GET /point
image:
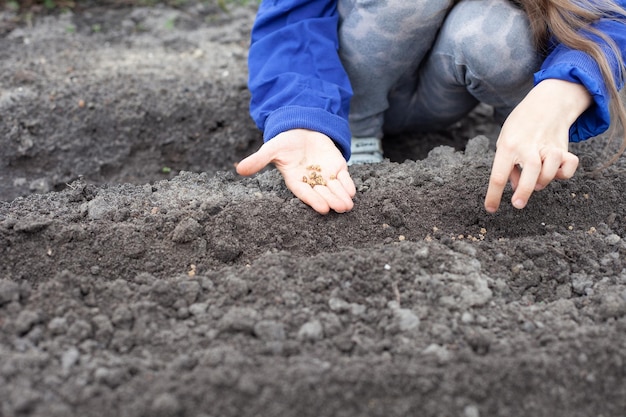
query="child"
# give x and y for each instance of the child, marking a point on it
(330, 78)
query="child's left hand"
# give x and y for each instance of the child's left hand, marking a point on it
(532, 148)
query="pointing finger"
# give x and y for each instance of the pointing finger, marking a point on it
(498, 179)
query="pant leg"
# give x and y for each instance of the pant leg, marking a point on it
(483, 53)
(380, 40)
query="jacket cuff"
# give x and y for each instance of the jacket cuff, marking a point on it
(319, 120)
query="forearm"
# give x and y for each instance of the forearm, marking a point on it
(295, 75)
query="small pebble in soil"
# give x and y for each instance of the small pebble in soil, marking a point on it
(166, 405)
(311, 331)
(9, 291)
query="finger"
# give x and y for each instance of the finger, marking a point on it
(500, 171)
(527, 182)
(550, 166)
(255, 162)
(308, 196)
(568, 166)
(337, 189)
(334, 202)
(514, 176)
(346, 181)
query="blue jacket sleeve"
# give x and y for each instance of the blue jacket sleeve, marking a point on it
(576, 66)
(296, 78)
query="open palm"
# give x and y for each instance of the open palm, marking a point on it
(312, 167)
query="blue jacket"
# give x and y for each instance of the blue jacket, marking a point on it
(297, 80)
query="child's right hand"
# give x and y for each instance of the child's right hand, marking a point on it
(302, 156)
(535, 136)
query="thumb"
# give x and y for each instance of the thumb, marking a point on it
(254, 163)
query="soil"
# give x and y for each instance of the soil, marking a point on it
(140, 276)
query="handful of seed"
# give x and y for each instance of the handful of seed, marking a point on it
(314, 178)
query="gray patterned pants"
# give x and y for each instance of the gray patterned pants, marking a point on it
(419, 65)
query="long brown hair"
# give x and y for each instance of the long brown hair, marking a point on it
(568, 21)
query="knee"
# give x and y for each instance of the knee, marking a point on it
(492, 41)
(391, 18)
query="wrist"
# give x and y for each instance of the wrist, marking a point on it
(562, 99)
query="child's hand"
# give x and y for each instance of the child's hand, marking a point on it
(312, 167)
(532, 147)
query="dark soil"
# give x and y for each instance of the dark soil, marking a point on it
(140, 276)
